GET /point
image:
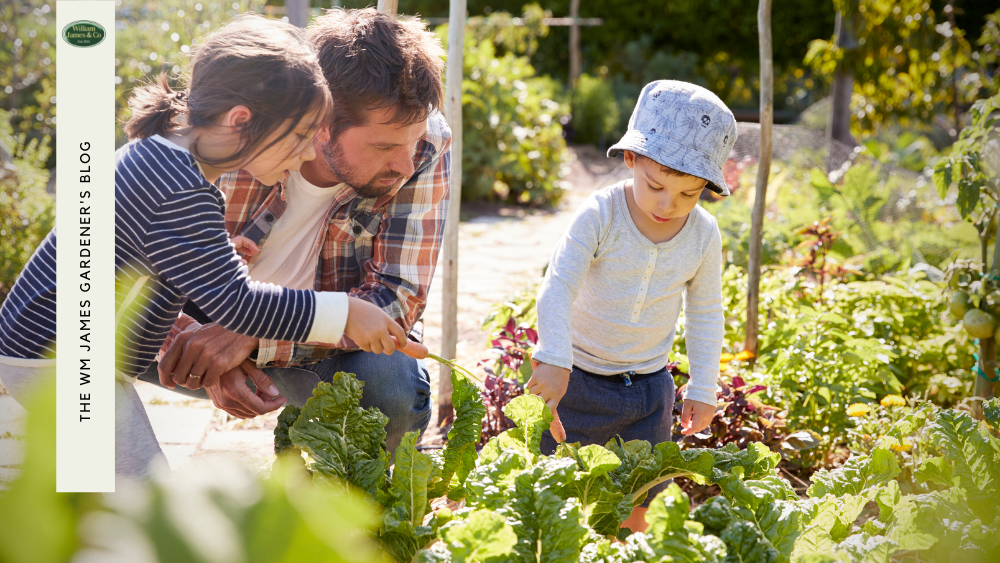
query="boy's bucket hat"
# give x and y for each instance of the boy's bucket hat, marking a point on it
(683, 126)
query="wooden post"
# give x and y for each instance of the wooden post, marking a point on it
(387, 7)
(839, 126)
(574, 43)
(763, 170)
(453, 113)
(297, 12)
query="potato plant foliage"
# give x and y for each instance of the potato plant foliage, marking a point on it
(522, 506)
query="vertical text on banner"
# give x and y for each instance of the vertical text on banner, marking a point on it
(85, 221)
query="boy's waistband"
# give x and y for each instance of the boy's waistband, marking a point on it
(625, 378)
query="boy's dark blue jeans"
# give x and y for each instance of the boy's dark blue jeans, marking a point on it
(597, 408)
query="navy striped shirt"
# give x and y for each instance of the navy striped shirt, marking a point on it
(28, 315)
(169, 225)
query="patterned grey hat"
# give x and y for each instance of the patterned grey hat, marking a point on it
(683, 126)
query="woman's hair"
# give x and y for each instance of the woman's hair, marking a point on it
(265, 65)
(375, 61)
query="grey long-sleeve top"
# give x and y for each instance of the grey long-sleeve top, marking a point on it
(611, 298)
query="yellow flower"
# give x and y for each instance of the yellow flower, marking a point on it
(858, 409)
(744, 356)
(723, 367)
(726, 358)
(893, 401)
(904, 447)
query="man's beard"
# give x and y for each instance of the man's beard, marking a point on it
(372, 188)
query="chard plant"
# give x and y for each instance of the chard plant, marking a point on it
(516, 505)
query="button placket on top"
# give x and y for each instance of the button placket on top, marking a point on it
(640, 298)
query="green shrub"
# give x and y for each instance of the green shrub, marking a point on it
(27, 211)
(513, 149)
(596, 114)
(155, 37)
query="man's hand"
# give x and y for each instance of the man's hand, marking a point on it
(198, 357)
(550, 382)
(231, 393)
(370, 328)
(695, 416)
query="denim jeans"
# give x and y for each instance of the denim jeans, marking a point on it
(397, 385)
(596, 409)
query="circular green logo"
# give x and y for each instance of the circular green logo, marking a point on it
(83, 33)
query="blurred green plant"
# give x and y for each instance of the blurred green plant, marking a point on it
(218, 512)
(596, 115)
(28, 65)
(513, 146)
(909, 60)
(158, 36)
(27, 211)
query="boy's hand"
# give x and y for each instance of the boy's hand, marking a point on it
(550, 382)
(244, 247)
(696, 416)
(371, 329)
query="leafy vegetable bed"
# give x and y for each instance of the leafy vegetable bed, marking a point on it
(522, 506)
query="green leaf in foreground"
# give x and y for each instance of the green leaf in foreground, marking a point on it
(532, 417)
(482, 536)
(403, 532)
(460, 452)
(345, 443)
(548, 527)
(991, 412)
(859, 474)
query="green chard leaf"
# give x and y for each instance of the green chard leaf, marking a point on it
(601, 501)
(489, 486)
(972, 456)
(858, 475)
(483, 536)
(460, 452)
(532, 417)
(282, 443)
(345, 443)
(643, 467)
(745, 543)
(864, 548)
(942, 524)
(714, 515)
(936, 470)
(672, 537)
(548, 524)
(991, 412)
(402, 532)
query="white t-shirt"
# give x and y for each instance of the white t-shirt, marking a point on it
(291, 254)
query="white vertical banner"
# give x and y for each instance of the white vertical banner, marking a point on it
(85, 252)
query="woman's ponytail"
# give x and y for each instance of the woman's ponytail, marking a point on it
(155, 108)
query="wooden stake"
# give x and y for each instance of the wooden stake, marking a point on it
(453, 113)
(574, 43)
(763, 170)
(297, 12)
(388, 7)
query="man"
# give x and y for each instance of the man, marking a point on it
(366, 217)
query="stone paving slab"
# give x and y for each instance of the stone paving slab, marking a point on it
(180, 424)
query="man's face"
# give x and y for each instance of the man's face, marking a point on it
(375, 159)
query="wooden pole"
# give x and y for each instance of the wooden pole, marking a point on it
(453, 113)
(388, 7)
(763, 170)
(574, 43)
(297, 12)
(839, 126)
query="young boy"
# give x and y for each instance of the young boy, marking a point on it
(609, 304)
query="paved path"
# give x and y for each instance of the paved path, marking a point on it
(500, 251)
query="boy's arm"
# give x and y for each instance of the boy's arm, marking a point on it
(570, 261)
(704, 323)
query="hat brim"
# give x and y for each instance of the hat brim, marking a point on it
(675, 154)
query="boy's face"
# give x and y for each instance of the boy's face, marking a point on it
(662, 194)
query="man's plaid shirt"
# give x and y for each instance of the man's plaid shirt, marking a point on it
(382, 250)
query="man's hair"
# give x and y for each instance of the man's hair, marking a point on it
(372, 61)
